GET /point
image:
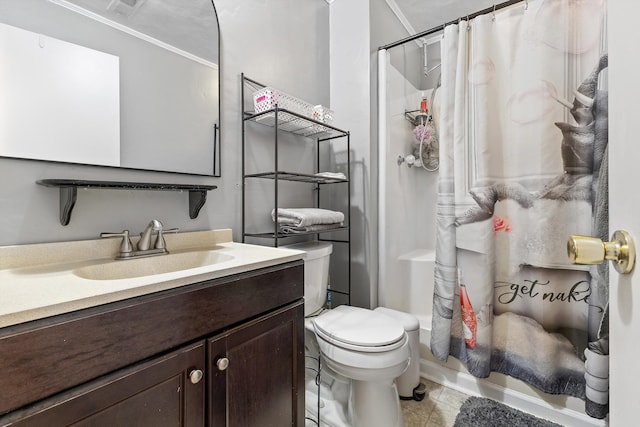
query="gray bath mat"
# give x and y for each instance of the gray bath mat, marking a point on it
(481, 412)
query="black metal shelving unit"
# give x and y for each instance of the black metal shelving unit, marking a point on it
(283, 120)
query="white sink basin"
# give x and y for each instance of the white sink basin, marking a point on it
(149, 266)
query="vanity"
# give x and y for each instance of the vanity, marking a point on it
(211, 334)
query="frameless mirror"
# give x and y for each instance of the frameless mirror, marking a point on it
(125, 83)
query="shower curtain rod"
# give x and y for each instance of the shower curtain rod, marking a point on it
(455, 21)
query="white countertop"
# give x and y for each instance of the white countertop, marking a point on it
(38, 281)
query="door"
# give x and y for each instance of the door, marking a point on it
(256, 372)
(624, 206)
(167, 391)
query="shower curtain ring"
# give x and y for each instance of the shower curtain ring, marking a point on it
(526, 4)
(493, 16)
(468, 23)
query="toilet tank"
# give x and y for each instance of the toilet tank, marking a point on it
(316, 273)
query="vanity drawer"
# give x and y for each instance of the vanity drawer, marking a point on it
(43, 357)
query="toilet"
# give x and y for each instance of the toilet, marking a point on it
(370, 348)
(316, 273)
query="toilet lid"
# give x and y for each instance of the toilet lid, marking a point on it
(359, 329)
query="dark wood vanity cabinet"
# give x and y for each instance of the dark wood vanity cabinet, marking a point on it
(225, 352)
(254, 375)
(156, 393)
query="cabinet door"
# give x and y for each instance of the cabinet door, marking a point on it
(256, 372)
(161, 392)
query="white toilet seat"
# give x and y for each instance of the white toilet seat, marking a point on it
(358, 329)
(370, 349)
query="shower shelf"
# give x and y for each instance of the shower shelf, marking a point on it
(416, 117)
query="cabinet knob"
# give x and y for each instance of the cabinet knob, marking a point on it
(195, 376)
(222, 363)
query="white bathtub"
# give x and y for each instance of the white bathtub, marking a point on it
(409, 284)
(409, 288)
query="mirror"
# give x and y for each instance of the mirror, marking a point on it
(125, 83)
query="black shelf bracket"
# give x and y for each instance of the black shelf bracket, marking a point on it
(68, 197)
(197, 199)
(69, 192)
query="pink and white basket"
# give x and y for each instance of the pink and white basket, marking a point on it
(268, 97)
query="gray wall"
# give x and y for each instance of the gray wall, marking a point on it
(283, 43)
(350, 98)
(408, 58)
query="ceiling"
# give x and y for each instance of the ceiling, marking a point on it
(191, 21)
(189, 25)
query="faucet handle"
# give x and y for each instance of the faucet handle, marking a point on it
(125, 246)
(160, 243)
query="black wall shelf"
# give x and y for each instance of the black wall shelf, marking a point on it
(69, 192)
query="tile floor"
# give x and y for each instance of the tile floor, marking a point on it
(438, 409)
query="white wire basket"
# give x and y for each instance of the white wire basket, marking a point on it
(322, 114)
(268, 97)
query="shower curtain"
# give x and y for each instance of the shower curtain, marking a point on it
(523, 135)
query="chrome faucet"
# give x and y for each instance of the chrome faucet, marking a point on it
(145, 237)
(144, 244)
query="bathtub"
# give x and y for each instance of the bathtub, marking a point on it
(417, 267)
(409, 288)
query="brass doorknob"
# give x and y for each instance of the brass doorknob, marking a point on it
(590, 250)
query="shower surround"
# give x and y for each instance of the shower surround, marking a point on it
(407, 210)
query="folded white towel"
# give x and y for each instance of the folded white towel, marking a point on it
(292, 229)
(335, 175)
(304, 217)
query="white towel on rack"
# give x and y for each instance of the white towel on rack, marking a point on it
(334, 175)
(304, 217)
(292, 229)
